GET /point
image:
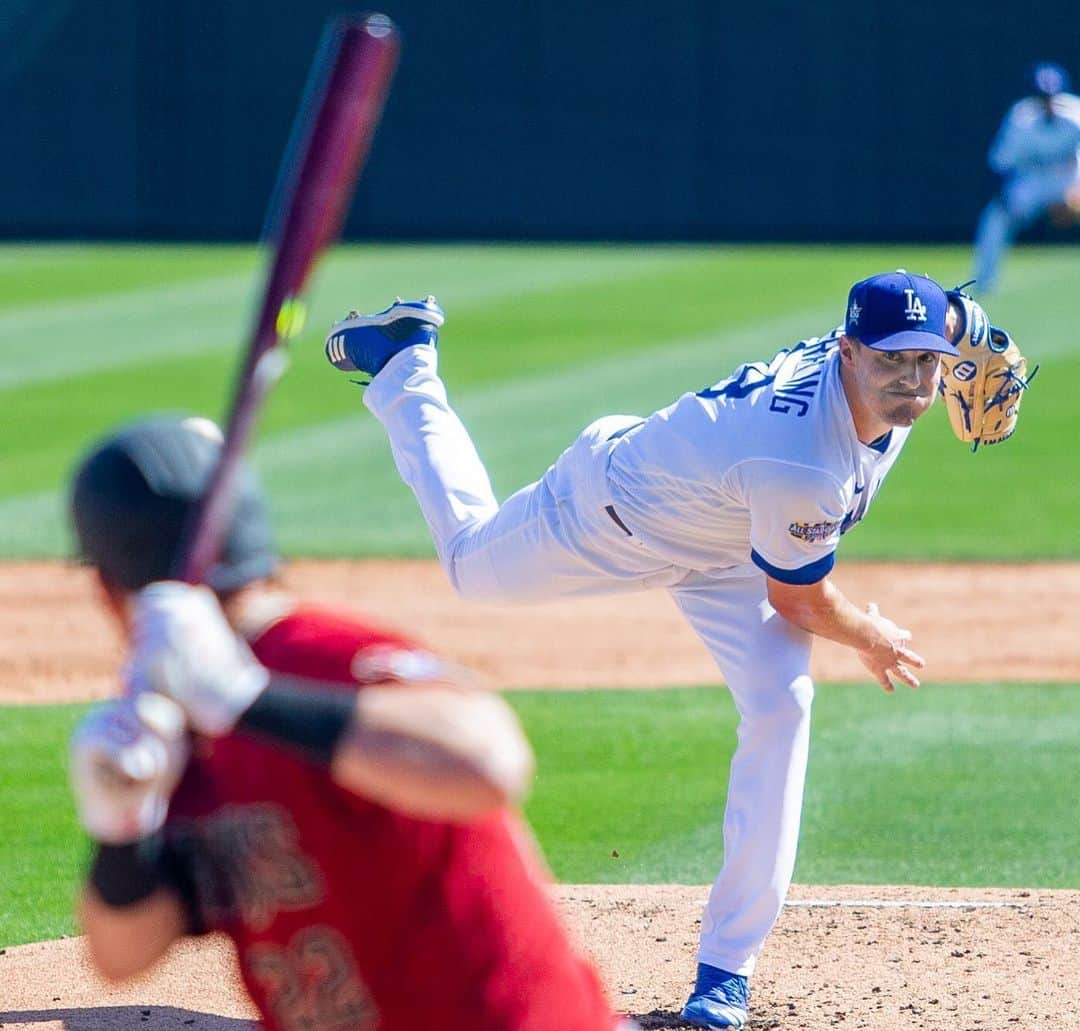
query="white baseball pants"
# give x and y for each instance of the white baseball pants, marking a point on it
(555, 538)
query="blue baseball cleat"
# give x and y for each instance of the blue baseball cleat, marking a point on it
(719, 999)
(365, 343)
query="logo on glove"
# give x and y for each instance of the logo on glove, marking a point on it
(965, 371)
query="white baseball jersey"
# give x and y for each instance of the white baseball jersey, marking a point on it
(1028, 141)
(763, 467)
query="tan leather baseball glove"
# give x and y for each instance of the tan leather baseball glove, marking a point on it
(984, 386)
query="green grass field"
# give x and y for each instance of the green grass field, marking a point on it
(948, 785)
(539, 341)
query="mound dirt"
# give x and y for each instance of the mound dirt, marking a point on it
(875, 958)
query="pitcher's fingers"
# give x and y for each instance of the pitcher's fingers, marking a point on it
(905, 674)
(912, 658)
(872, 609)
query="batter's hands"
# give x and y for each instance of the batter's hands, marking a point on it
(890, 658)
(185, 649)
(126, 758)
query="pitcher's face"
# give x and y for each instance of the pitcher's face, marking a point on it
(893, 387)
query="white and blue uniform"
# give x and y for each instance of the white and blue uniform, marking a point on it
(1039, 158)
(759, 474)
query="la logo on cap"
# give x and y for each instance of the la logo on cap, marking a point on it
(915, 310)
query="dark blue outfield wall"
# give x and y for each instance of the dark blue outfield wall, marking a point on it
(686, 120)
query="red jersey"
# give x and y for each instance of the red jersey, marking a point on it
(349, 915)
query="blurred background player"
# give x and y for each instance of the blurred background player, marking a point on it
(338, 807)
(1037, 154)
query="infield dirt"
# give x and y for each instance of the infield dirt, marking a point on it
(858, 957)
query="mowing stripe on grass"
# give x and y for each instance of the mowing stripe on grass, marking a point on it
(43, 273)
(61, 339)
(368, 278)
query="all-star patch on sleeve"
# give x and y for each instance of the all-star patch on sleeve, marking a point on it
(811, 532)
(796, 513)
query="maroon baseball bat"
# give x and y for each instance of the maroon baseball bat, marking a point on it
(343, 100)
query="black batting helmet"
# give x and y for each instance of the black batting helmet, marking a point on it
(131, 496)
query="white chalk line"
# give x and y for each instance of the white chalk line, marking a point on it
(901, 904)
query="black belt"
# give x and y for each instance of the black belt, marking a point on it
(610, 509)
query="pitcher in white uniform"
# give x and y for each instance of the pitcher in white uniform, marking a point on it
(733, 499)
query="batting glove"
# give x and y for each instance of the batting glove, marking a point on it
(126, 759)
(185, 649)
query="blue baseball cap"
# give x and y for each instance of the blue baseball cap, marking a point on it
(1048, 78)
(897, 311)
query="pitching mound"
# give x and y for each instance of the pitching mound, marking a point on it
(857, 957)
